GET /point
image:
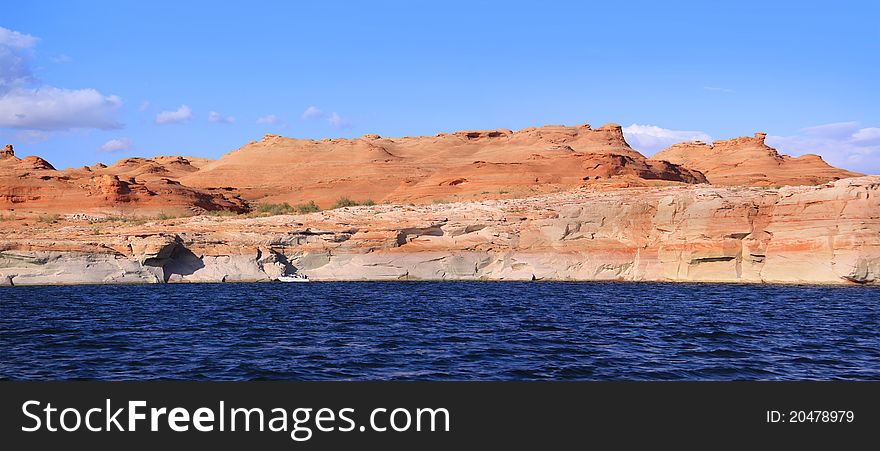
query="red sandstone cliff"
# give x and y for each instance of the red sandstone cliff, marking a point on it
(749, 162)
(465, 165)
(133, 186)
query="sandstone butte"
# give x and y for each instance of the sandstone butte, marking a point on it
(749, 161)
(548, 203)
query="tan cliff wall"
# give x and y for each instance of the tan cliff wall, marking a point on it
(817, 234)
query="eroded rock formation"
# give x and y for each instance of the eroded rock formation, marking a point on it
(547, 203)
(750, 162)
(818, 234)
(133, 186)
(448, 167)
(465, 165)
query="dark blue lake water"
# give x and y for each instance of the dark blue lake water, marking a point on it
(449, 330)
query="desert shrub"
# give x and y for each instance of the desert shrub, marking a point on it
(275, 209)
(308, 207)
(346, 202)
(163, 217)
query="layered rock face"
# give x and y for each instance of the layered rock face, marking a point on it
(139, 186)
(819, 234)
(465, 165)
(748, 161)
(547, 203)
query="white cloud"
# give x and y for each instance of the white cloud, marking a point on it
(649, 139)
(312, 112)
(869, 135)
(337, 121)
(270, 119)
(145, 105)
(15, 69)
(842, 144)
(181, 114)
(218, 118)
(333, 119)
(16, 40)
(833, 130)
(49, 108)
(25, 104)
(115, 145)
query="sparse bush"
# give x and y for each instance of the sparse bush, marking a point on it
(275, 209)
(308, 207)
(346, 202)
(163, 217)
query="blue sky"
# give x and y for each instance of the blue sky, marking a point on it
(82, 82)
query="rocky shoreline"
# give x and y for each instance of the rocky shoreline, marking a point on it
(827, 234)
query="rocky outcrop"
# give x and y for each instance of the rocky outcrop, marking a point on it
(547, 203)
(467, 165)
(131, 187)
(749, 161)
(446, 167)
(805, 234)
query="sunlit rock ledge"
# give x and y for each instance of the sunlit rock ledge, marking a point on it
(826, 234)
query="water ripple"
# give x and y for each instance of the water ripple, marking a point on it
(441, 331)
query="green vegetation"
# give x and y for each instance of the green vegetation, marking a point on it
(346, 202)
(163, 216)
(275, 209)
(309, 207)
(285, 208)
